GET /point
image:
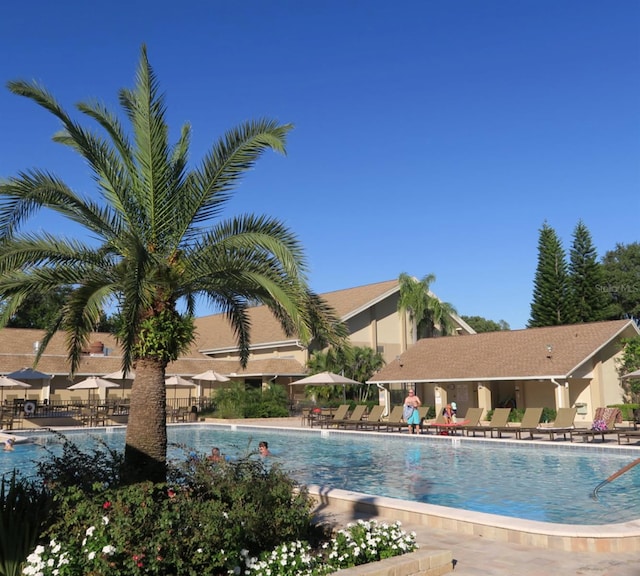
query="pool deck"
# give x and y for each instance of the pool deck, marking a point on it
(466, 543)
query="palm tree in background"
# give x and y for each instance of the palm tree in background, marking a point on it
(428, 314)
(157, 244)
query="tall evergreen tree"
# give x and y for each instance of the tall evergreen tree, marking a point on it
(586, 278)
(621, 268)
(551, 298)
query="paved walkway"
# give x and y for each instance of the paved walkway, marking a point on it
(475, 556)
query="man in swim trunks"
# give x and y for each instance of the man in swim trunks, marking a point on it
(410, 412)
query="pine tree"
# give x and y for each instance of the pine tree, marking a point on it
(586, 278)
(551, 297)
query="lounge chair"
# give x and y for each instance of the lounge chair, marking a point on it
(471, 419)
(435, 424)
(422, 413)
(356, 415)
(606, 417)
(393, 422)
(530, 422)
(628, 435)
(372, 419)
(563, 424)
(498, 423)
(322, 419)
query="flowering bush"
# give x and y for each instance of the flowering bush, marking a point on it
(207, 521)
(599, 425)
(359, 543)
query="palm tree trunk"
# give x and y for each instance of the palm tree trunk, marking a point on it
(145, 455)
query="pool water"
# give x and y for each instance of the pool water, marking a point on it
(550, 484)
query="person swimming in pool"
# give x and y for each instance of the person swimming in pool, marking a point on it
(9, 444)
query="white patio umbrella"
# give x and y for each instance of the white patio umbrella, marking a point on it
(6, 382)
(327, 379)
(211, 376)
(176, 381)
(93, 383)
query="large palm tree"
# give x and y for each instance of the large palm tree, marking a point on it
(428, 314)
(156, 244)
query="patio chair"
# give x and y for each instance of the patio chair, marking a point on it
(371, 419)
(530, 422)
(563, 424)
(604, 423)
(470, 420)
(422, 413)
(354, 418)
(322, 418)
(498, 423)
(434, 424)
(393, 421)
(6, 419)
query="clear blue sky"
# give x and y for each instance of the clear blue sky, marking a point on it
(431, 137)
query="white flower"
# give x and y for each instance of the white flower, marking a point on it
(108, 549)
(91, 555)
(105, 520)
(90, 530)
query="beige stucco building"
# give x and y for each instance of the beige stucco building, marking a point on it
(555, 367)
(370, 313)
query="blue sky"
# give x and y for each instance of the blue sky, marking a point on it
(430, 137)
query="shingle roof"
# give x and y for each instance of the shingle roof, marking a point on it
(506, 355)
(215, 333)
(16, 352)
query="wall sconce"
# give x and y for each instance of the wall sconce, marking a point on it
(517, 388)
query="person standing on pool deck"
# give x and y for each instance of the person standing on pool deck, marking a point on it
(410, 412)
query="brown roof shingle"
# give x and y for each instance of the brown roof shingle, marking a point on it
(214, 332)
(506, 355)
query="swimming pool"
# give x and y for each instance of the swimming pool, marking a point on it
(521, 480)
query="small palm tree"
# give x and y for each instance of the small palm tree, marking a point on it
(156, 246)
(428, 314)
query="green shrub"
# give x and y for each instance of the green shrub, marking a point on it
(74, 467)
(23, 510)
(626, 409)
(197, 523)
(548, 415)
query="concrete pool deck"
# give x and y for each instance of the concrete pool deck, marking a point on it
(504, 547)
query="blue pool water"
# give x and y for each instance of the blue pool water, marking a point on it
(550, 484)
